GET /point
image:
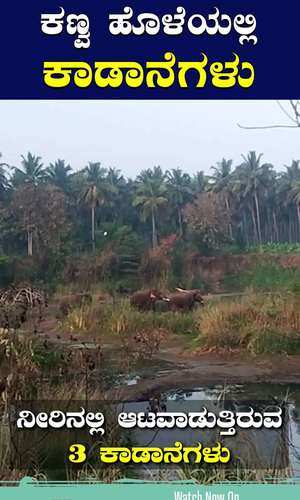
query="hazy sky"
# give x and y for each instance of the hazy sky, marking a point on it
(133, 135)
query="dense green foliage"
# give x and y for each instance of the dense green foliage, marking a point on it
(52, 216)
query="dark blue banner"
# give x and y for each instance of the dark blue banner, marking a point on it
(76, 49)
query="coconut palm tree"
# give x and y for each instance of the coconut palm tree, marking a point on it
(3, 179)
(199, 182)
(4, 183)
(222, 172)
(59, 174)
(151, 196)
(95, 174)
(114, 187)
(251, 178)
(287, 191)
(114, 177)
(180, 191)
(32, 171)
(93, 194)
(221, 181)
(3, 163)
(293, 171)
(294, 195)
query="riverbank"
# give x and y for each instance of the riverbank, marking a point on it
(233, 339)
(183, 369)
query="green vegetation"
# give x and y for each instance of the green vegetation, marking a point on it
(259, 324)
(58, 225)
(275, 248)
(265, 277)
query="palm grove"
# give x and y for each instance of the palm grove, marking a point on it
(51, 215)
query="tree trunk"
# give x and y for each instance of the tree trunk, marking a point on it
(245, 229)
(29, 243)
(290, 227)
(93, 228)
(180, 222)
(298, 212)
(276, 231)
(229, 225)
(257, 217)
(254, 224)
(154, 234)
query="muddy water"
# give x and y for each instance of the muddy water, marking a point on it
(255, 392)
(151, 379)
(178, 383)
(182, 400)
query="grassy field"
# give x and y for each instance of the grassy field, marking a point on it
(121, 319)
(258, 324)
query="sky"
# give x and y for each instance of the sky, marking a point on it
(134, 135)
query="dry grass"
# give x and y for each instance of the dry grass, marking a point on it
(108, 319)
(258, 324)
(235, 475)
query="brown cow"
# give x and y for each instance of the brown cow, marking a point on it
(145, 300)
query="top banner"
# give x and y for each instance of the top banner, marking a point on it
(76, 49)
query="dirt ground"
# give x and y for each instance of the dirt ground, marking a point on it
(189, 368)
(208, 369)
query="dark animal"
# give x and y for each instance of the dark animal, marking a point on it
(195, 293)
(184, 300)
(145, 300)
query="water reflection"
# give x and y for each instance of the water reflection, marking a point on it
(254, 392)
